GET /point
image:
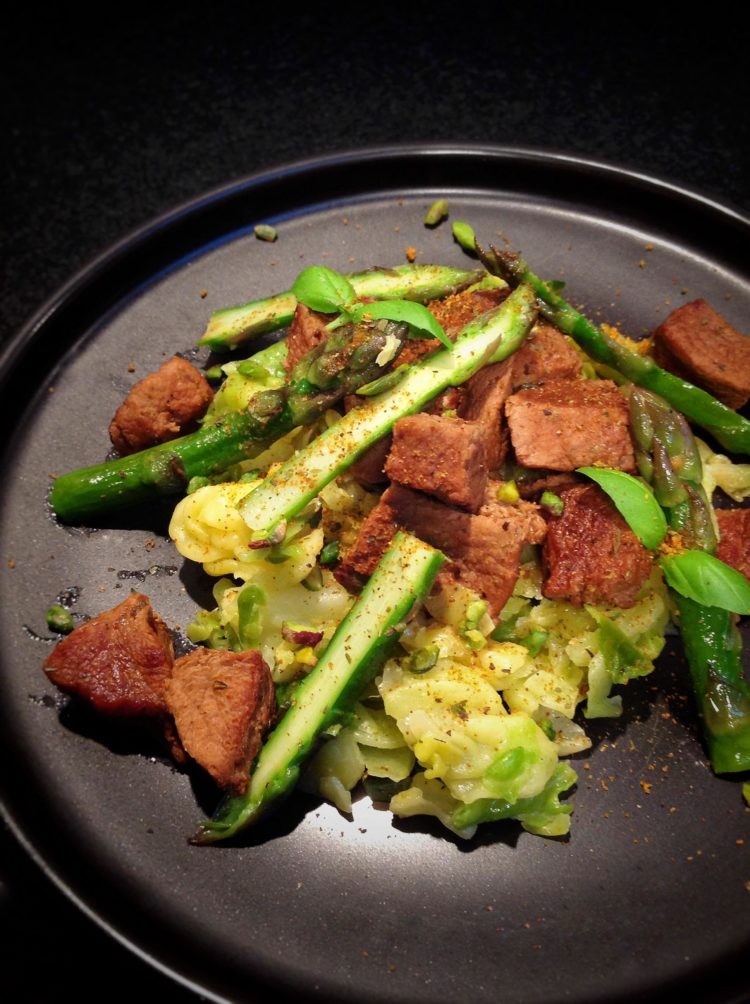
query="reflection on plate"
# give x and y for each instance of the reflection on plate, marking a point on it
(650, 890)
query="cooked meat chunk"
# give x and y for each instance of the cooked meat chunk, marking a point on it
(369, 470)
(306, 332)
(164, 405)
(119, 661)
(484, 548)
(223, 704)
(590, 553)
(375, 534)
(697, 344)
(484, 397)
(734, 540)
(453, 313)
(444, 457)
(546, 354)
(564, 424)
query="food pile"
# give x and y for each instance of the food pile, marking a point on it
(438, 532)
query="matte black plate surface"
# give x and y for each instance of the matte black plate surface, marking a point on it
(650, 892)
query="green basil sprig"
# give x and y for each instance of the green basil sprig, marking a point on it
(323, 289)
(327, 291)
(708, 581)
(635, 502)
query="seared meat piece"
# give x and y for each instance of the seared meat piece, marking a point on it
(223, 704)
(453, 313)
(162, 406)
(564, 424)
(590, 553)
(119, 661)
(306, 332)
(734, 540)
(484, 397)
(444, 457)
(484, 548)
(696, 343)
(369, 470)
(546, 354)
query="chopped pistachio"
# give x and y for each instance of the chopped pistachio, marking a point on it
(552, 502)
(507, 492)
(265, 232)
(59, 619)
(437, 212)
(464, 234)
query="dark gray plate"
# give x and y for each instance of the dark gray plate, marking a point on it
(649, 896)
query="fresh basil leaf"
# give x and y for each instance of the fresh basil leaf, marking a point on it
(321, 288)
(635, 502)
(421, 322)
(708, 581)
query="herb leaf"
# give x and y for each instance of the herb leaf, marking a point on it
(321, 288)
(421, 322)
(708, 581)
(635, 502)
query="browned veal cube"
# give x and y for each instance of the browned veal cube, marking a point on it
(564, 424)
(734, 540)
(590, 554)
(696, 343)
(484, 549)
(444, 457)
(546, 354)
(223, 704)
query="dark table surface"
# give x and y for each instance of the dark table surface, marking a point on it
(115, 118)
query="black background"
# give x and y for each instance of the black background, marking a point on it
(112, 118)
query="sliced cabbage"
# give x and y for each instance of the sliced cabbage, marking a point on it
(720, 472)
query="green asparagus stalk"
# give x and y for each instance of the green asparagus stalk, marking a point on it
(489, 338)
(344, 362)
(231, 326)
(669, 459)
(725, 425)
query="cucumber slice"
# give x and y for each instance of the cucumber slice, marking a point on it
(359, 647)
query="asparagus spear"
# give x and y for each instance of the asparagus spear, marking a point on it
(668, 457)
(725, 425)
(345, 361)
(229, 327)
